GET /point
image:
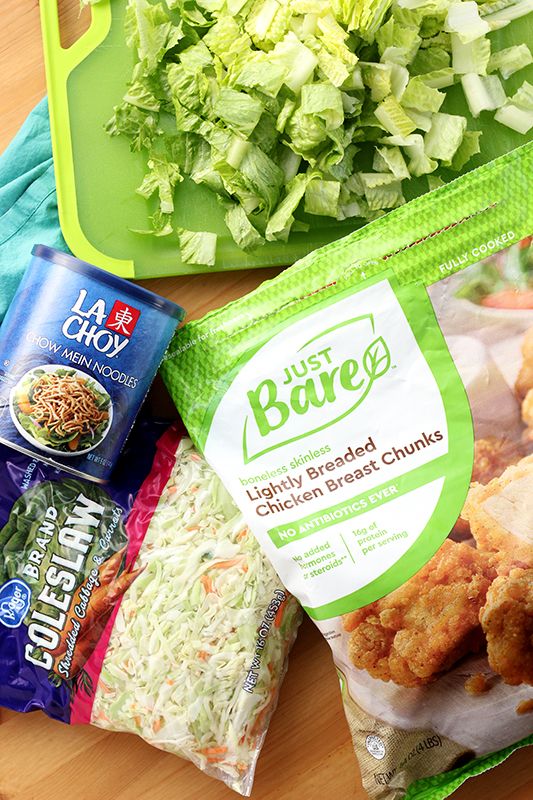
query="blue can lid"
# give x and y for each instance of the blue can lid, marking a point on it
(131, 289)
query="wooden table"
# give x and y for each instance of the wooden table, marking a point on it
(308, 753)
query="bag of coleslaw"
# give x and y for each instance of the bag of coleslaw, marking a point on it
(371, 412)
(145, 606)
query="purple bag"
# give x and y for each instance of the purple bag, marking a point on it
(65, 558)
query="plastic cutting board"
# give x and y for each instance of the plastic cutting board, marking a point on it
(97, 175)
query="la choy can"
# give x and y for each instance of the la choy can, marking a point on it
(79, 349)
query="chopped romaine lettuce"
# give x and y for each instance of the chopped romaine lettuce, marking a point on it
(510, 60)
(471, 57)
(465, 21)
(469, 147)
(391, 159)
(482, 92)
(517, 113)
(445, 135)
(393, 118)
(421, 97)
(273, 101)
(435, 182)
(281, 220)
(242, 230)
(198, 247)
(322, 197)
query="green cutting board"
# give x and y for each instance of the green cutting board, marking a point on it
(97, 175)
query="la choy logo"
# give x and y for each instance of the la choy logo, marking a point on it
(91, 324)
(331, 375)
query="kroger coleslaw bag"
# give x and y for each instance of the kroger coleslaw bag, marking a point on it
(371, 412)
(145, 606)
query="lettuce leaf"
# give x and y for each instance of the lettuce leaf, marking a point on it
(197, 247)
(465, 21)
(517, 112)
(393, 118)
(471, 57)
(162, 177)
(483, 92)
(329, 105)
(391, 158)
(238, 110)
(243, 232)
(469, 147)
(510, 60)
(422, 97)
(322, 197)
(445, 135)
(281, 220)
(323, 101)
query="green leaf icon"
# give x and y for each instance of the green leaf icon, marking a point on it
(376, 359)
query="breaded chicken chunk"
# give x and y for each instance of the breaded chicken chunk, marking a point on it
(500, 516)
(524, 381)
(527, 409)
(492, 456)
(527, 418)
(507, 621)
(422, 628)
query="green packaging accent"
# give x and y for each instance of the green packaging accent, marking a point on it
(266, 384)
(429, 238)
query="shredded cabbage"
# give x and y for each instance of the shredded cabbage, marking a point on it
(186, 633)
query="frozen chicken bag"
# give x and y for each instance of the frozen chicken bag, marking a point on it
(371, 412)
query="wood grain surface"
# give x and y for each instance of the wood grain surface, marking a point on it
(307, 754)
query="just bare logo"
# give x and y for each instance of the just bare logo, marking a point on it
(317, 387)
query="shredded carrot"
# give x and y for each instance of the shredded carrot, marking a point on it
(73, 444)
(207, 583)
(193, 528)
(214, 754)
(137, 720)
(158, 723)
(242, 534)
(232, 562)
(24, 404)
(278, 619)
(170, 682)
(172, 489)
(259, 724)
(203, 655)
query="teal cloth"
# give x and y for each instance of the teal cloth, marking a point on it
(28, 202)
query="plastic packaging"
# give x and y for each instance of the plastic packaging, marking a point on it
(371, 412)
(147, 609)
(65, 559)
(199, 647)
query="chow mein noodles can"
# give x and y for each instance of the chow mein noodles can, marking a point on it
(79, 349)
